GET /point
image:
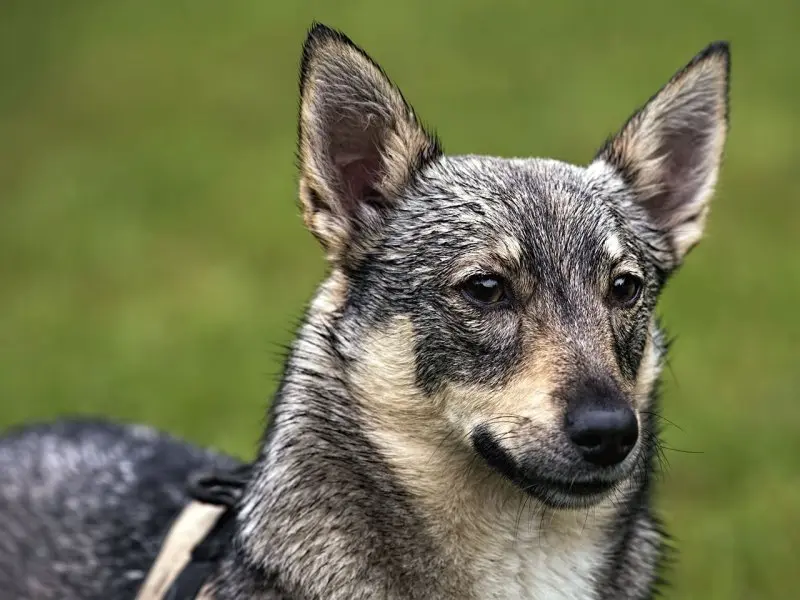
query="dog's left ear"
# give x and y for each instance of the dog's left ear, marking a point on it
(360, 143)
(670, 150)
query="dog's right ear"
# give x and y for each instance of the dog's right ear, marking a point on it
(360, 142)
(670, 150)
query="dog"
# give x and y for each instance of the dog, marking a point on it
(469, 407)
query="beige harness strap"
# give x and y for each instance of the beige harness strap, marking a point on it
(205, 593)
(189, 529)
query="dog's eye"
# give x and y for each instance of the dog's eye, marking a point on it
(485, 289)
(626, 289)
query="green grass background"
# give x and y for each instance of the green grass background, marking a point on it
(152, 259)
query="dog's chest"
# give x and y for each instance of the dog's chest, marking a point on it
(540, 567)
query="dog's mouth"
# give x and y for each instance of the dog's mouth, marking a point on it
(569, 494)
(578, 491)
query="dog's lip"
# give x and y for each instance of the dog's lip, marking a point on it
(581, 488)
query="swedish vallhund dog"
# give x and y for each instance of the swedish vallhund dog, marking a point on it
(468, 410)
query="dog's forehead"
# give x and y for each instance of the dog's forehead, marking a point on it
(540, 203)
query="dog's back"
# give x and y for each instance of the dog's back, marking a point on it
(84, 506)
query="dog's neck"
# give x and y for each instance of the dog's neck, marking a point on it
(349, 502)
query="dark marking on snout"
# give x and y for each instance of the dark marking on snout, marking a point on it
(495, 456)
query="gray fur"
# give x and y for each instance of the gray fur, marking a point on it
(84, 506)
(392, 355)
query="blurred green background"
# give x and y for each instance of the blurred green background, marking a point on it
(152, 260)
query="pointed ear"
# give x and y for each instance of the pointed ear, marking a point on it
(670, 151)
(360, 142)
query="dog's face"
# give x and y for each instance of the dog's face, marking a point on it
(526, 288)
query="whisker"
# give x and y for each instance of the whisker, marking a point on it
(658, 415)
(665, 447)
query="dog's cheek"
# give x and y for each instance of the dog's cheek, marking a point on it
(466, 349)
(630, 333)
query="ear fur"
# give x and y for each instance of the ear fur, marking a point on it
(359, 142)
(670, 151)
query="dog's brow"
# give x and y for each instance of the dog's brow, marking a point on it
(622, 259)
(613, 247)
(509, 250)
(502, 257)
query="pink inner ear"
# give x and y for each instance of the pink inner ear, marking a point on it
(685, 168)
(359, 172)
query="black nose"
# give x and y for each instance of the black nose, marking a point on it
(604, 436)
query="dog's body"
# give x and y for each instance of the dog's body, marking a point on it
(84, 506)
(468, 410)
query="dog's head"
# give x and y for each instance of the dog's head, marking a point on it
(518, 293)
